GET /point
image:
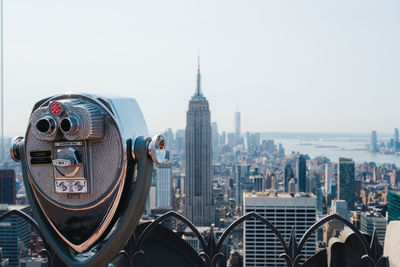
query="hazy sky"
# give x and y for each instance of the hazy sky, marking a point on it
(301, 66)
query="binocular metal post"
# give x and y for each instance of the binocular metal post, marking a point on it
(87, 169)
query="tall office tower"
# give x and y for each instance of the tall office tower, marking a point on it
(253, 140)
(231, 139)
(394, 178)
(214, 135)
(393, 205)
(258, 182)
(374, 221)
(241, 175)
(329, 180)
(7, 186)
(374, 142)
(237, 127)
(288, 175)
(169, 139)
(179, 140)
(199, 206)
(396, 137)
(222, 140)
(345, 187)
(268, 180)
(268, 145)
(164, 186)
(376, 176)
(14, 234)
(340, 207)
(314, 186)
(284, 211)
(292, 186)
(281, 150)
(301, 173)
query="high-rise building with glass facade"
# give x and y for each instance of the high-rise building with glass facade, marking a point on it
(288, 175)
(345, 187)
(393, 204)
(374, 142)
(371, 222)
(15, 234)
(7, 186)
(301, 174)
(199, 206)
(164, 186)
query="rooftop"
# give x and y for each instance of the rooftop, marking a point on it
(279, 195)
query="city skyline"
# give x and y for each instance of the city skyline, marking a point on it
(287, 66)
(198, 202)
(294, 124)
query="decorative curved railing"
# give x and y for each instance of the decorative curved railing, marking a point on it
(211, 250)
(47, 251)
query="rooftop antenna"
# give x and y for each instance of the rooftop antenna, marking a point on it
(198, 89)
(198, 59)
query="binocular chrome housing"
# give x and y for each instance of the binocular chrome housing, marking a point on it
(84, 158)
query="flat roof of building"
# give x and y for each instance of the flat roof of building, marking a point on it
(279, 195)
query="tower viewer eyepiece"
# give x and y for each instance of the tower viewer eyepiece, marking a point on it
(76, 158)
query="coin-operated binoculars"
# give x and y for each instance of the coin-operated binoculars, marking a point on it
(87, 169)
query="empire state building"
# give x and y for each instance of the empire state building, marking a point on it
(199, 206)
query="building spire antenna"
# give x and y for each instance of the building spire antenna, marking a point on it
(198, 88)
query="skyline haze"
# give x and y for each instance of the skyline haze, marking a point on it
(291, 67)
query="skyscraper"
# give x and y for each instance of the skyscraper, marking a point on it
(237, 126)
(199, 206)
(215, 136)
(371, 222)
(374, 142)
(329, 180)
(396, 144)
(393, 205)
(288, 175)
(301, 173)
(285, 211)
(15, 234)
(258, 181)
(340, 207)
(345, 188)
(7, 186)
(164, 186)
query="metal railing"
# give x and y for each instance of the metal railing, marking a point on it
(211, 249)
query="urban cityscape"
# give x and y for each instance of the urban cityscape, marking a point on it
(213, 178)
(276, 124)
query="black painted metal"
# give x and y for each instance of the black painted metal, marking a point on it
(211, 250)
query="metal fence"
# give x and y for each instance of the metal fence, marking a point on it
(211, 250)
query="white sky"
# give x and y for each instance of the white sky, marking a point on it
(301, 66)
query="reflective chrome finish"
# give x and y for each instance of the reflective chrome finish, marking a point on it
(67, 162)
(14, 148)
(46, 125)
(76, 168)
(157, 149)
(69, 125)
(81, 166)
